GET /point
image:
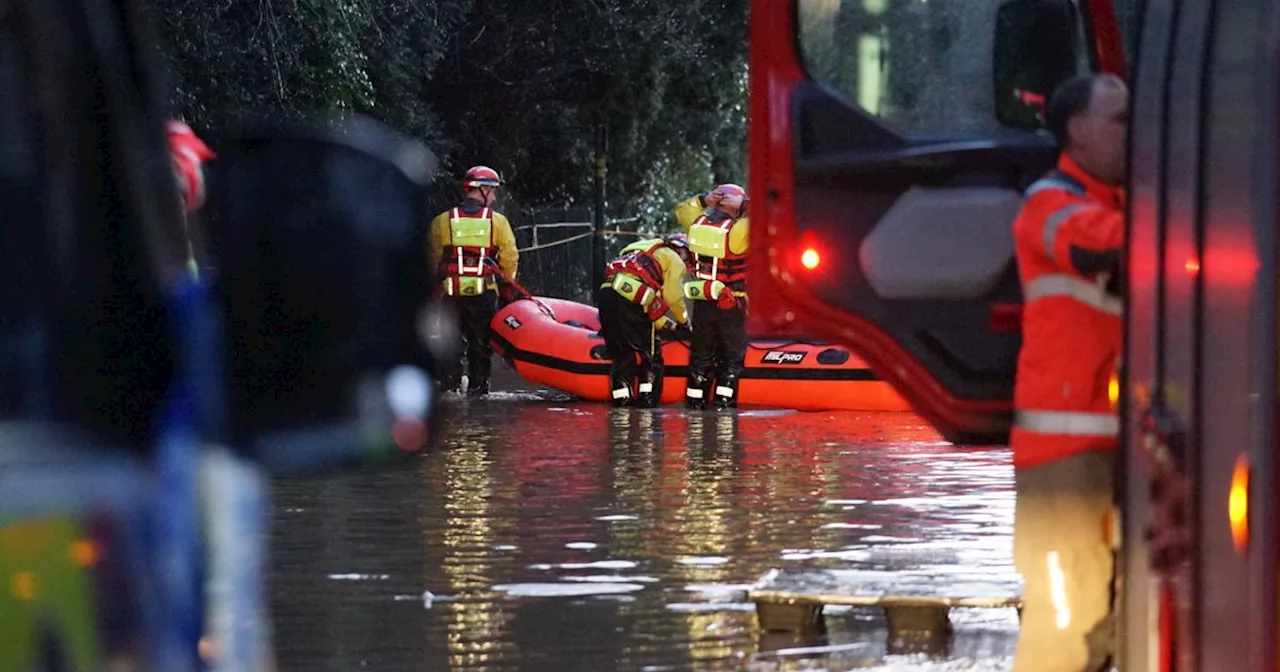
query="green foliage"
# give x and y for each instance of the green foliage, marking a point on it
(513, 84)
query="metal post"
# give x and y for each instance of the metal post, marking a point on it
(599, 255)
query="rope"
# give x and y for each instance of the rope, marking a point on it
(527, 294)
(568, 225)
(580, 236)
(555, 225)
(570, 239)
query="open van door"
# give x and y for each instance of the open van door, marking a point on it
(889, 147)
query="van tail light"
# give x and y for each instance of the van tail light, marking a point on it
(1238, 504)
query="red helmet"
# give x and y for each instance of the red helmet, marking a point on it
(734, 190)
(188, 153)
(726, 189)
(481, 176)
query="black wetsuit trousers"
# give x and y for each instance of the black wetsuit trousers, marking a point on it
(474, 315)
(635, 373)
(716, 355)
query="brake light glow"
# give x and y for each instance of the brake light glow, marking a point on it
(1113, 389)
(810, 259)
(1238, 504)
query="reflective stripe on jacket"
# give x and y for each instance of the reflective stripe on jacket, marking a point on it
(469, 262)
(1068, 238)
(712, 274)
(499, 243)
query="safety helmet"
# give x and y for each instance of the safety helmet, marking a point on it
(680, 243)
(733, 189)
(481, 176)
(726, 189)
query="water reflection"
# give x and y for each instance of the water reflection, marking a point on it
(574, 536)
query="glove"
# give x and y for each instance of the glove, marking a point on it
(680, 333)
(726, 300)
(506, 293)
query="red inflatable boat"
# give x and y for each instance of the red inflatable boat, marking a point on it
(567, 353)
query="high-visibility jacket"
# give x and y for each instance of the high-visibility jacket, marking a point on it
(651, 275)
(1068, 238)
(468, 245)
(720, 252)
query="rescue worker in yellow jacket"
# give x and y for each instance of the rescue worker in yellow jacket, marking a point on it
(641, 300)
(718, 234)
(474, 249)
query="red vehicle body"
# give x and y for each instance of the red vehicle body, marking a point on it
(899, 176)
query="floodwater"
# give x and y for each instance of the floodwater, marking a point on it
(548, 535)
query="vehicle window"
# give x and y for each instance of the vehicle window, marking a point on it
(931, 66)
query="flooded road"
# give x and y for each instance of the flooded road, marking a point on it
(543, 534)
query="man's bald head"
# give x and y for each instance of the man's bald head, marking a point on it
(1089, 116)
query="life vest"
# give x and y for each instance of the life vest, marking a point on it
(637, 276)
(1071, 325)
(469, 261)
(716, 268)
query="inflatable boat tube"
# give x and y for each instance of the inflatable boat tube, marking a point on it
(566, 353)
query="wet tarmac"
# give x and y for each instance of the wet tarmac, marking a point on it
(548, 535)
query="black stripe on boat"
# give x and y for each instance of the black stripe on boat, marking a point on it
(601, 368)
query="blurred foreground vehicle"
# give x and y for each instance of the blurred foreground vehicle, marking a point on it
(141, 409)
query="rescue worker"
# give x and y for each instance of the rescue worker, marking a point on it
(718, 232)
(642, 298)
(188, 153)
(474, 249)
(1068, 239)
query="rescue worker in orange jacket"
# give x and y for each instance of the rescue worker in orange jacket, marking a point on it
(642, 299)
(1068, 239)
(717, 226)
(474, 249)
(188, 153)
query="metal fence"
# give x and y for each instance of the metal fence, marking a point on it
(555, 254)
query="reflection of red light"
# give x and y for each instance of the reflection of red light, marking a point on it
(409, 434)
(810, 258)
(1193, 266)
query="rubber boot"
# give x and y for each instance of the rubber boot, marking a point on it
(451, 374)
(620, 397)
(726, 393)
(695, 394)
(478, 384)
(478, 377)
(649, 391)
(480, 390)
